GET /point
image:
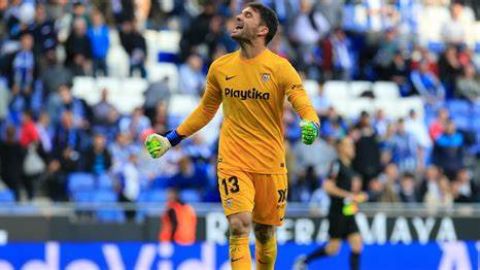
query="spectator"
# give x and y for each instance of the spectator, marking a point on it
(465, 190)
(130, 184)
(319, 155)
(28, 130)
(197, 30)
(448, 152)
(135, 124)
(367, 152)
(450, 69)
(438, 125)
(135, 46)
(307, 29)
(120, 150)
(342, 57)
(45, 132)
(407, 191)
(179, 222)
(381, 122)
(65, 101)
(193, 79)
(98, 159)
(44, 32)
(321, 102)
(416, 127)
(24, 68)
(11, 160)
(388, 47)
(79, 49)
(157, 91)
(189, 176)
(404, 149)
(454, 30)
(391, 182)
(67, 138)
(54, 74)
(434, 189)
(306, 184)
(375, 190)
(399, 72)
(428, 85)
(468, 86)
(102, 110)
(34, 164)
(332, 124)
(100, 43)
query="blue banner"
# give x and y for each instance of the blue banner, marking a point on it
(208, 256)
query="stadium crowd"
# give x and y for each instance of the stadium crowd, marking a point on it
(47, 133)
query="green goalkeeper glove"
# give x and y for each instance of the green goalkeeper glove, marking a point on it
(309, 131)
(157, 145)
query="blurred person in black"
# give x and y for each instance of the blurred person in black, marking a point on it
(79, 49)
(367, 150)
(345, 195)
(98, 159)
(448, 151)
(11, 161)
(408, 191)
(136, 47)
(464, 189)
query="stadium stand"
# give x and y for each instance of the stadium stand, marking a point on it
(372, 76)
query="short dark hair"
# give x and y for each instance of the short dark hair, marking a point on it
(268, 17)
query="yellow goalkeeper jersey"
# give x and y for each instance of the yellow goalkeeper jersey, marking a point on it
(252, 93)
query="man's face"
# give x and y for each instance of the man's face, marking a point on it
(248, 26)
(347, 148)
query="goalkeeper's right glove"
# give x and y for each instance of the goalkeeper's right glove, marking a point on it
(157, 145)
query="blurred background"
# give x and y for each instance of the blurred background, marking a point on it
(82, 83)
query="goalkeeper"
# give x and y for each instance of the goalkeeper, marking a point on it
(251, 84)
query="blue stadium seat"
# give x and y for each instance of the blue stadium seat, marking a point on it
(105, 196)
(190, 196)
(7, 196)
(82, 196)
(436, 47)
(462, 121)
(115, 214)
(104, 182)
(80, 182)
(157, 196)
(458, 106)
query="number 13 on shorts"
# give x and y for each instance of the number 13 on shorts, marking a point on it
(264, 195)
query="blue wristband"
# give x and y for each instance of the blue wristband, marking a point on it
(174, 138)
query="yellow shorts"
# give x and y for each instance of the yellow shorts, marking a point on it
(263, 195)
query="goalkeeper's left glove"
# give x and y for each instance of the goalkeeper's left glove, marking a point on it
(157, 145)
(310, 131)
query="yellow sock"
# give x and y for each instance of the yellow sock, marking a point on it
(240, 258)
(266, 254)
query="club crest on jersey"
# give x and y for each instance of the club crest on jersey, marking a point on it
(229, 203)
(265, 77)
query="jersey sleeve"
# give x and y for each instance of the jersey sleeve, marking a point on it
(296, 94)
(205, 111)
(333, 171)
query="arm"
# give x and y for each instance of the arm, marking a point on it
(203, 114)
(158, 145)
(296, 94)
(333, 190)
(174, 223)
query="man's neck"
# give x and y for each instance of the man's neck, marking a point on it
(346, 161)
(252, 49)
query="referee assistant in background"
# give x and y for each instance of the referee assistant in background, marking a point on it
(342, 209)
